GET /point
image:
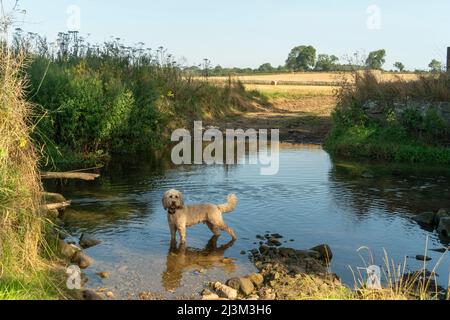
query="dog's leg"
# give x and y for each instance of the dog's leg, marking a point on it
(182, 231)
(173, 233)
(228, 230)
(213, 229)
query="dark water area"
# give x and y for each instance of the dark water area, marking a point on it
(312, 200)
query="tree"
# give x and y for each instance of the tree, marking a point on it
(399, 66)
(326, 62)
(376, 59)
(435, 66)
(301, 58)
(266, 67)
(218, 70)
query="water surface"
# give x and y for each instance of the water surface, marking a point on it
(313, 200)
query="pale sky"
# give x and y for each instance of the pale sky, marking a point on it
(248, 33)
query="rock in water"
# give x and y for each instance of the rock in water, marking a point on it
(426, 218)
(88, 241)
(423, 258)
(263, 249)
(82, 260)
(444, 226)
(440, 250)
(442, 213)
(325, 252)
(277, 236)
(273, 242)
(103, 275)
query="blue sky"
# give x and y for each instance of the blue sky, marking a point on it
(251, 32)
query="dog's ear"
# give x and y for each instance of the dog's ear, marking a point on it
(165, 200)
(181, 205)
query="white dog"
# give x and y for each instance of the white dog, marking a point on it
(180, 216)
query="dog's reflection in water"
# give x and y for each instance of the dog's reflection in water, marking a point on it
(180, 259)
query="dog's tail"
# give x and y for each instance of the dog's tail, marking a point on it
(230, 205)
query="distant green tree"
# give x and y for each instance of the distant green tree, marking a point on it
(399, 66)
(266, 67)
(376, 59)
(301, 58)
(435, 66)
(218, 69)
(326, 62)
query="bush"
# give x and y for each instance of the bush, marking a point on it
(113, 99)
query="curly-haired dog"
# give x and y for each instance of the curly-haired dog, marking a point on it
(181, 216)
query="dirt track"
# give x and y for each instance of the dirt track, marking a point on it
(302, 120)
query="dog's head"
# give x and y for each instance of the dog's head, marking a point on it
(173, 200)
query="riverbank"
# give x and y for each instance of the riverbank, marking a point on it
(400, 121)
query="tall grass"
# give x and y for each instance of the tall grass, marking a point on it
(397, 281)
(22, 240)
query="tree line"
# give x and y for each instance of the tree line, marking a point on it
(305, 58)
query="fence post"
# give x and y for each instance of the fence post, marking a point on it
(448, 59)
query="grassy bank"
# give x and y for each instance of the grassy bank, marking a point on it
(387, 121)
(97, 100)
(25, 254)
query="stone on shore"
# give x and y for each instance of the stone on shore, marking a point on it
(91, 295)
(67, 250)
(243, 285)
(225, 291)
(257, 279)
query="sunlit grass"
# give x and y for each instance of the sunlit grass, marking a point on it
(24, 270)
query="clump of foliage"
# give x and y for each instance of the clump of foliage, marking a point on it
(399, 130)
(301, 58)
(111, 98)
(376, 59)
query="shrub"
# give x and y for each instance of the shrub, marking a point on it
(100, 99)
